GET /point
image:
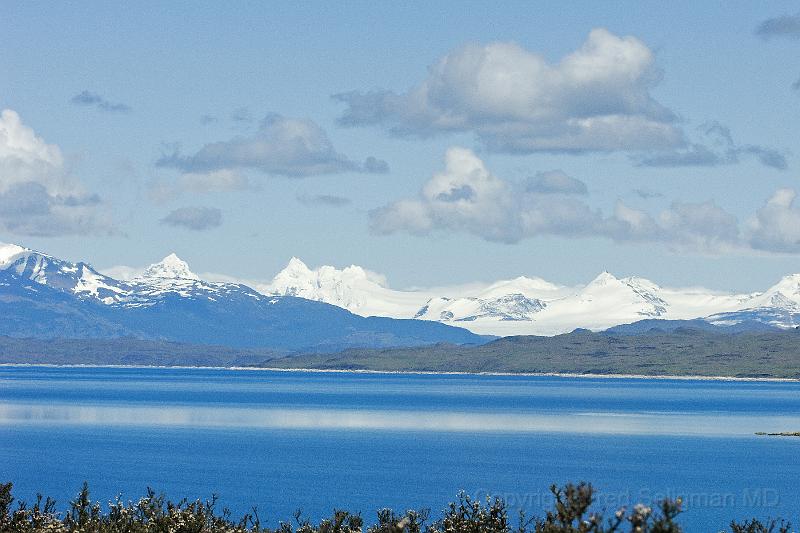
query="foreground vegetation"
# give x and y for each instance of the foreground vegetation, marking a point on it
(572, 513)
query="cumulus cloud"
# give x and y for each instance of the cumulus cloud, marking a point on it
(783, 26)
(717, 148)
(37, 196)
(328, 200)
(700, 226)
(466, 197)
(596, 98)
(776, 226)
(194, 218)
(90, 99)
(555, 182)
(282, 146)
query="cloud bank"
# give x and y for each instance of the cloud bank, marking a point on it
(596, 98)
(465, 197)
(37, 195)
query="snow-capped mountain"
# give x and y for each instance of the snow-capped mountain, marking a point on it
(519, 299)
(506, 307)
(171, 267)
(79, 279)
(168, 300)
(170, 276)
(533, 306)
(777, 306)
(353, 288)
(43, 296)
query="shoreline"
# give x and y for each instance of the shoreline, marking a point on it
(663, 377)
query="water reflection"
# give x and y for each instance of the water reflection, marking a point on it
(642, 423)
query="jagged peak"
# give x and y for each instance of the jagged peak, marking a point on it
(172, 267)
(604, 278)
(296, 270)
(296, 264)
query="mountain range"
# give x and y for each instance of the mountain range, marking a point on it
(45, 297)
(328, 309)
(533, 306)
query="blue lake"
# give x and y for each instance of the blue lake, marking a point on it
(287, 440)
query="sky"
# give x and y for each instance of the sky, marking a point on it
(434, 143)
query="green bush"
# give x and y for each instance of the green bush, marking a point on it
(571, 513)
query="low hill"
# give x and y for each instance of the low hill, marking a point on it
(682, 352)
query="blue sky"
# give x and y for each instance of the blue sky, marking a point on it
(552, 141)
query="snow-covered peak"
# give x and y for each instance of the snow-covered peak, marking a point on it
(296, 279)
(296, 267)
(784, 294)
(354, 288)
(10, 253)
(79, 279)
(171, 267)
(604, 278)
(788, 285)
(536, 288)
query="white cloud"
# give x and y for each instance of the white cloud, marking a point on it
(595, 99)
(776, 226)
(37, 196)
(701, 226)
(24, 157)
(466, 197)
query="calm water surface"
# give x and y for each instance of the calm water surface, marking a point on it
(283, 441)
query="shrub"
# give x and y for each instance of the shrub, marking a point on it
(572, 513)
